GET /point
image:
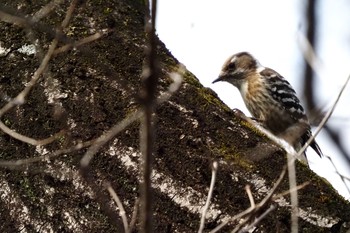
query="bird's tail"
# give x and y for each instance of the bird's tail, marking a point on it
(313, 144)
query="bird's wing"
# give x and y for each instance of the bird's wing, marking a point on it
(281, 91)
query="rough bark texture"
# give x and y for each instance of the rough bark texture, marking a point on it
(97, 86)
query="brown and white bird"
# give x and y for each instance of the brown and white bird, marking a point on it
(269, 98)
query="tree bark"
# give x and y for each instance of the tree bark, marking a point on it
(86, 91)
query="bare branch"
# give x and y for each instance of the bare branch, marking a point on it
(210, 193)
(312, 59)
(22, 162)
(17, 20)
(103, 139)
(45, 10)
(20, 98)
(270, 209)
(308, 71)
(263, 204)
(150, 76)
(342, 177)
(28, 140)
(309, 55)
(250, 196)
(106, 137)
(291, 160)
(120, 206)
(325, 118)
(69, 13)
(250, 212)
(293, 193)
(94, 143)
(335, 136)
(301, 186)
(261, 217)
(134, 215)
(81, 42)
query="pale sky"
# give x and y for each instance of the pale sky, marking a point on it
(201, 34)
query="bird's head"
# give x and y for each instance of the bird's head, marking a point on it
(237, 67)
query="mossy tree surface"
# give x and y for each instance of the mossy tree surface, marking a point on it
(96, 86)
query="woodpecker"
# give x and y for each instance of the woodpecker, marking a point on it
(269, 98)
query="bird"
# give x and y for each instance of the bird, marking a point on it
(270, 99)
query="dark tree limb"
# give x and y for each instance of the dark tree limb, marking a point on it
(308, 73)
(148, 95)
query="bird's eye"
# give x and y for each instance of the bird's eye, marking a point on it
(232, 66)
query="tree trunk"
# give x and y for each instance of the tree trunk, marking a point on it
(86, 91)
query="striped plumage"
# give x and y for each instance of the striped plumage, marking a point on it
(269, 98)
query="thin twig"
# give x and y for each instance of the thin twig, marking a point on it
(106, 137)
(22, 162)
(293, 193)
(210, 193)
(325, 118)
(45, 10)
(99, 142)
(342, 177)
(234, 218)
(256, 221)
(119, 204)
(291, 169)
(250, 196)
(243, 223)
(309, 55)
(251, 210)
(69, 13)
(14, 19)
(337, 139)
(28, 140)
(134, 215)
(312, 59)
(20, 98)
(301, 186)
(291, 160)
(81, 42)
(263, 203)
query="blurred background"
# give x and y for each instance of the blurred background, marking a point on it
(203, 34)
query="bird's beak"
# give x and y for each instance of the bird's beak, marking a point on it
(220, 78)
